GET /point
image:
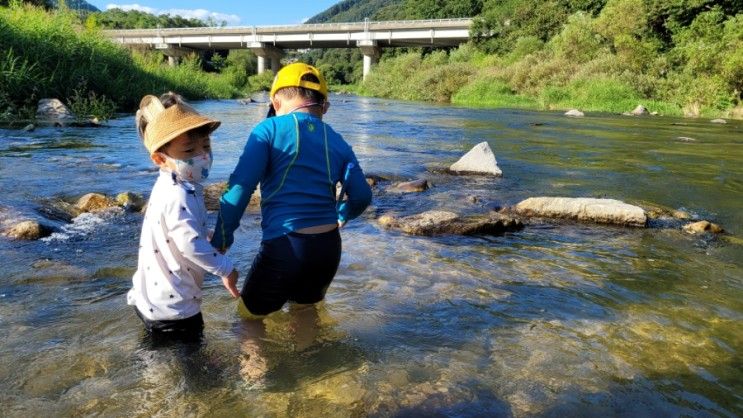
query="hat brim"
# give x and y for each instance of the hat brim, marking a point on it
(174, 129)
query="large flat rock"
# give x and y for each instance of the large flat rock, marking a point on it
(438, 222)
(607, 211)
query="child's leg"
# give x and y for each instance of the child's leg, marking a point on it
(191, 327)
(319, 255)
(251, 333)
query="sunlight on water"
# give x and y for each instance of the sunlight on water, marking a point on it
(555, 320)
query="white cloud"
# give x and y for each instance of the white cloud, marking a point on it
(201, 14)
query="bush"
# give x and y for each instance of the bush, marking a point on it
(261, 82)
(491, 92)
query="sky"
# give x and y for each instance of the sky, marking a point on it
(235, 13)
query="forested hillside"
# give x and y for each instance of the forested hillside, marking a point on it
(678, 56)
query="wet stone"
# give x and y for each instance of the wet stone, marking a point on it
(95, 202)
(415, 186)
(479, 160)
(575, 113)
(443, 222)
(608, 211)
(131, 201)
(214, 191)
(702, 227)
(29, 230)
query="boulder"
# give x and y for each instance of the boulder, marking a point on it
(414, 186)
(58, 210)
(95, 202)
(443, 222)
(29, 128)
(29, 230)
(480, 160)
(686, 139)
(702, 227)
(131, 201)
(53, 109)
(608, 211)
(640, 110)
(720, 121)
(575, 113)
(214, 191)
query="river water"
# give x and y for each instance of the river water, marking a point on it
(555, 320)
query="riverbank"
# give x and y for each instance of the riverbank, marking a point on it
(594, 63)
(51, 54)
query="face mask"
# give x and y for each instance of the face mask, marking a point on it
(194, 169)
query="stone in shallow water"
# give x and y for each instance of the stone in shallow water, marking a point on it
(130, 201)
(702, 227)
(720, 121)
(480, 160)
(574, 113)
(437, 222)
(414, 186)
(608, 211)
(29, 230)
(95, 202)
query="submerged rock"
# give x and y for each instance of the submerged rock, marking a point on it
(131, 201)
(608, 211)
(575, 113)
(414, 186)
(95, 202)
(480, 160)
(702, 227)
(53, 109)
(29, 230)
(437, 222)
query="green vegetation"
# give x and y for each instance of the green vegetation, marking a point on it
(676, 57)
(51, 54)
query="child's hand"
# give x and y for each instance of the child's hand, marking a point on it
(230, 283)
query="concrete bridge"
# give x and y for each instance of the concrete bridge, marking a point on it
(268, 42)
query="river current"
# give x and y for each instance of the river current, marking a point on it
(555, 320)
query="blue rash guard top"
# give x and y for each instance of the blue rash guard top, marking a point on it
(298, 160)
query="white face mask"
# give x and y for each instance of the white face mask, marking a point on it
(194, 169)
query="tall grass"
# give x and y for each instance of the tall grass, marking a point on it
(50, 54)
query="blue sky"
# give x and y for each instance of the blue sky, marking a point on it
(245, 13)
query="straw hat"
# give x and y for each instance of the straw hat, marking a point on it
(165, 124)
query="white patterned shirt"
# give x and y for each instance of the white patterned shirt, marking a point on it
(174, 252)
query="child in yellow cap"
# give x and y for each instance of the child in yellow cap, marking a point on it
(298, 159)
(174, 250)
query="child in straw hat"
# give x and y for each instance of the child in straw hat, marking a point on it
(174, 250)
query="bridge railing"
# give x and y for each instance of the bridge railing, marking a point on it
(344, 26)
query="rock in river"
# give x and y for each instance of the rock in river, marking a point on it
(414, 186)
(53, 109)
(608, 211)
(640, 110)
(438, 222)
(480, 160)
(95, 202)
(702, 227)
(130, 201)
(29, 230)
(574, 113)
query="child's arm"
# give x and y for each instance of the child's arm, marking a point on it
(242, 184)
(358, 191)
(183, 226)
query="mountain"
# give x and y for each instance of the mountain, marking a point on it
(358, 10)
(76, 5)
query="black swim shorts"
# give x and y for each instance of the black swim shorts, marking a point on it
(294, 267)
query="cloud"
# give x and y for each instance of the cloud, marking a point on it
(201, 14)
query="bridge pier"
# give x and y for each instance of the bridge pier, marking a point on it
(371, 54)
(266, 52)
(173, 52)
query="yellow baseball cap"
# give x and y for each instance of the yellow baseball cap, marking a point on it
(291, 76)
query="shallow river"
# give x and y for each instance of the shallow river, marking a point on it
(555, 320)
